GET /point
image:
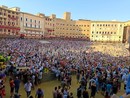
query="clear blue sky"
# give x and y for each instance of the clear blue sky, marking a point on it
(80, 9)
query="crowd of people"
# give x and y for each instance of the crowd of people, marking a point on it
(29, 58)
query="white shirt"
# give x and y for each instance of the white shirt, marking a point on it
(28, 86)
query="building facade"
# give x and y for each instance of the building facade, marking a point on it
(49, 26)
(9, 21)
(32, 26)
(14, 23)
(126, 35)
(68, 28)
(109, 31)
(83, 29)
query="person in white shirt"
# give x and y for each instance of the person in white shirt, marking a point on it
(28, 87)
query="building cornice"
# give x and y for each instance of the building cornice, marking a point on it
(31, 14)
(9, 9)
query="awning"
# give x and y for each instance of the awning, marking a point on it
(9, 27)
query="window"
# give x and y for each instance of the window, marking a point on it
(1, 22)
(13, 23)
(26, 19)
(26, 25)
(30, 20)
(8, 23)
(21, 19)
(9, 16)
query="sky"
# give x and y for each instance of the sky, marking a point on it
(80, 9)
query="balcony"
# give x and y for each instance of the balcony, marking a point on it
(33, 29)
(1, 16)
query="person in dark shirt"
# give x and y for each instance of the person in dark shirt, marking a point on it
(79, 92)
(115, 86)
(39, 93)
(85, 94)
(93, 90)
(17, 84)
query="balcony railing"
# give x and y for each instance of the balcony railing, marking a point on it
(1, 16)
(33, 29)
